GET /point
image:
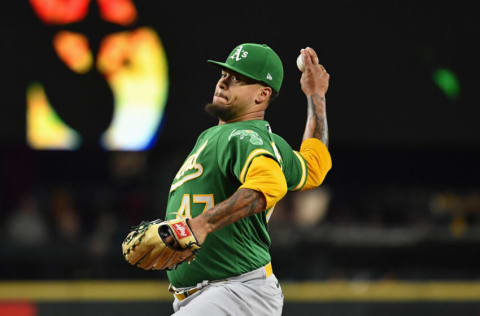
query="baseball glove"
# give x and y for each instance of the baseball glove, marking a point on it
(160, 245)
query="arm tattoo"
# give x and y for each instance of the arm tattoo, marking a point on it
(243, 203)
(318, 117)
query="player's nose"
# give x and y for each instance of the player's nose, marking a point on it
(223, 82)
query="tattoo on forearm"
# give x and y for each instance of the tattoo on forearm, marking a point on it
(317, 113)
(243, 203)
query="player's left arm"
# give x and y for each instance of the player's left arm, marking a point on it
(243, 203)
(264, 186)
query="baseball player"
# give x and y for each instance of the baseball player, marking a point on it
(224, 194)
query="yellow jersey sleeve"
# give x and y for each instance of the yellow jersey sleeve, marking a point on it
(266, 176)
(318, 161)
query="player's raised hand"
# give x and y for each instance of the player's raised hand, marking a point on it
(314, 78)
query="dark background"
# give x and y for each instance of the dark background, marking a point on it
(381, 58)
(399, 144)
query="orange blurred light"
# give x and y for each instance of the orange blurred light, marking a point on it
(114, 52)
(73, 50)
(60, 11)
(122, 12)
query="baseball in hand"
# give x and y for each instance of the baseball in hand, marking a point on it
(300, 64)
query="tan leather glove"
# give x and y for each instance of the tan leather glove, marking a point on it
(160, 245)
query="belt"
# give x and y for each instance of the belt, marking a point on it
(181, 295)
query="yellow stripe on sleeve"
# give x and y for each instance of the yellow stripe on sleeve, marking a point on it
(304, 171)
(249, 159)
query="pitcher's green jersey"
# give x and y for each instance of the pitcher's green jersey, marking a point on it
(214, 170)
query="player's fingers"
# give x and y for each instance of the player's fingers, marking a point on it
(307, 61)
(313, 55)
(322, 68)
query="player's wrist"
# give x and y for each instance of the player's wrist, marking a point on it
(316, 94)
(200, 227)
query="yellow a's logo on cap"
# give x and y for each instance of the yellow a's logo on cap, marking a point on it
(239, 53)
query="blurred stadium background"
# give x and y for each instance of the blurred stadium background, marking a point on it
(102, 101)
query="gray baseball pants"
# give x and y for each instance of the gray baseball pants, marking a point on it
(249, 294)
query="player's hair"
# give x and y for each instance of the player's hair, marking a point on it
(273, 96)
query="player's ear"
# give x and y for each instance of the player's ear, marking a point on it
(263, 94)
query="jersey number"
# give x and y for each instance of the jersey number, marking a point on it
(184, 210)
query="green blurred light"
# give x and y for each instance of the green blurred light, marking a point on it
(447, 81)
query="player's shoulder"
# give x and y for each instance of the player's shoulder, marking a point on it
(279, 139)
(280, 142)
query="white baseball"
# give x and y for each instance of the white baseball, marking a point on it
(300, 64)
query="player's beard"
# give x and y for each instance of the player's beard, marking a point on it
(220, 111)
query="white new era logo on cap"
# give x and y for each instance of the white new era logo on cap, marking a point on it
(269, 76)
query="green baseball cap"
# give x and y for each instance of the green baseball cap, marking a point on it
(255, 61)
